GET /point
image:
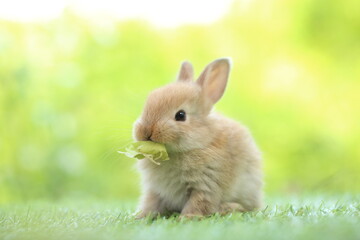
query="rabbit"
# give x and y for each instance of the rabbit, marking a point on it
(215, 165)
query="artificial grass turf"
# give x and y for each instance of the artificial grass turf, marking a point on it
(320, 217)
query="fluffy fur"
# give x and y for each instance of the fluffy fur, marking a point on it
(214, 163)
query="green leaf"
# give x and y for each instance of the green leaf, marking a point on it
(146, 149)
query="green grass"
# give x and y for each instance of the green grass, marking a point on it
(321, 217)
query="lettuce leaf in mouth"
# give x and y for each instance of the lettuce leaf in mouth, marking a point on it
(146, 149)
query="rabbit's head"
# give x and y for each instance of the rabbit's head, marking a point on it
(177, 114)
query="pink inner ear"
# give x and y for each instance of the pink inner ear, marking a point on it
(216, 84)
(214, 79)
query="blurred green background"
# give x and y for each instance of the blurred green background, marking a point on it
(70, 90)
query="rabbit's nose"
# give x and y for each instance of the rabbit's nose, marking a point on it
(148, 134)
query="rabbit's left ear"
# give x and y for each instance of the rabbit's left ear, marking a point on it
(186, 72)
(214, 78)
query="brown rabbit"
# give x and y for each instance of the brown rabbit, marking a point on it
(215, 165)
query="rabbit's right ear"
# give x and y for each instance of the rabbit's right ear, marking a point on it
(214, 78)
(186, 72)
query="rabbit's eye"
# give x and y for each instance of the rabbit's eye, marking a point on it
(180, 115)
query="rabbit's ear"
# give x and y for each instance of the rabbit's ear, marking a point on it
(186, 72)
(214, 78)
